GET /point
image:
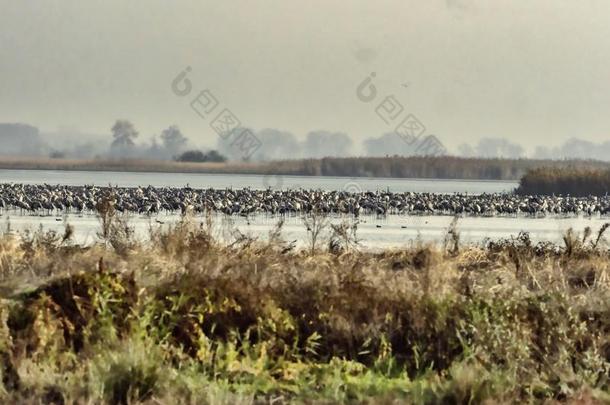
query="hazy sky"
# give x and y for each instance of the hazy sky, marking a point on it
(531, 71)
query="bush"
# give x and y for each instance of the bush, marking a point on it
(198, 156)
(56, 154)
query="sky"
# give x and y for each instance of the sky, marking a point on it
(534, 72)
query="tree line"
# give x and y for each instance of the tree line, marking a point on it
(173, 142)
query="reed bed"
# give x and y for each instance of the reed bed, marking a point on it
(182, 318)
(444, 167)
(577, 182)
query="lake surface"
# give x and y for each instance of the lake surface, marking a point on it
(392, 231)
(196, 180)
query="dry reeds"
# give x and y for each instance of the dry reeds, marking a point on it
(184, 318)
(577, 182)
(443, 167)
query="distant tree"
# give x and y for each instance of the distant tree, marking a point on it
(214, 156)
(155, 151)
(173, 140)
(319, 144)
(56, 154)
(20, 139)
(198, 156)
(191, 156)
(465, 150)
(543, 152)
(226, 146)
(575, 149)
(124, 134)
(498, 148)
(277, 145)
(388, 144)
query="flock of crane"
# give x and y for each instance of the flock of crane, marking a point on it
(58, 199)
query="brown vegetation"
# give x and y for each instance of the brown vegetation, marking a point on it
(184, 318)
(446, 167)
(578, 182)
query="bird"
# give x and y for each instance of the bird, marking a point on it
(58, 199)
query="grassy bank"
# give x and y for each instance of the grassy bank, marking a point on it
(182, 318)
(397, 167)
(573, 181)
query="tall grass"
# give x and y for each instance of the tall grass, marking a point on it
(183, 318)
(446, 167)
(577, 182)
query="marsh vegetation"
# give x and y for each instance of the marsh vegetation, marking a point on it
(443, 167)
(574, 181)
(182, 317)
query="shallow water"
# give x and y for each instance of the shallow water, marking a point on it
(392, 231)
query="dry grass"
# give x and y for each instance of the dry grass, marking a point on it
(579, 182)
(183, 318)
(127, 165)
(445, 167)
